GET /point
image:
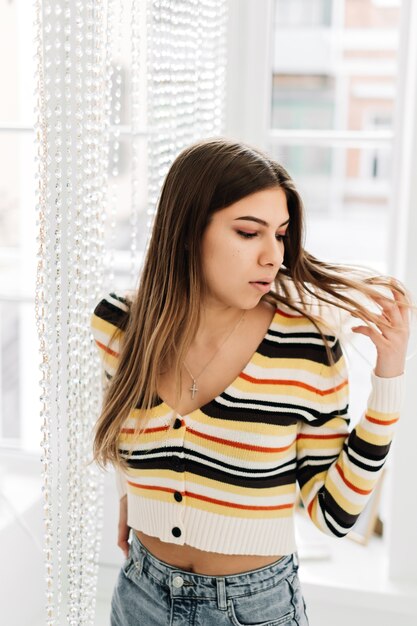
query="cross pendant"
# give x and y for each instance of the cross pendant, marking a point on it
(193, 389)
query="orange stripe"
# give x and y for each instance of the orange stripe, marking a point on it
(383, 422)
(106, 348)
(197, 496)
(287, 314)
(293, 383)
(153, 487)
(229, 505)
(310, 507)
(131, 431)
(362, 492)
(236, 444)
(301, 436)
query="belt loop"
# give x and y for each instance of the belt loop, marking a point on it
(221, 594)
(139, 556)
(296, 559)
(139, 559)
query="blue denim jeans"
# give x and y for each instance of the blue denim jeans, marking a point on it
(150, 592)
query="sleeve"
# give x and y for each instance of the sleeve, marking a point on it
(337, 470)
(107, 323)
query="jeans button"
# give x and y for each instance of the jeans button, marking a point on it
(178, 581)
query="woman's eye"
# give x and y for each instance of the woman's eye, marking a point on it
(250, 235)
(245, 234)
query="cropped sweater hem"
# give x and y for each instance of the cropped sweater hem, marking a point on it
(213, 533)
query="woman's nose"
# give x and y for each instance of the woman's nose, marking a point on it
(272, 254)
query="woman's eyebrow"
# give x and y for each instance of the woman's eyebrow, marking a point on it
(251, 218)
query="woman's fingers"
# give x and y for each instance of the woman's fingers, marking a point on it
(369, 331)
(390, 310)
(389, 332)
(403, 305)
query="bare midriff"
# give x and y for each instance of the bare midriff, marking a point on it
(198, 561)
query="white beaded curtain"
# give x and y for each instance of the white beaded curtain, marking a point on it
(98, 108)
(186, 85)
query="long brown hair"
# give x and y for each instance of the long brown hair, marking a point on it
(165, 309)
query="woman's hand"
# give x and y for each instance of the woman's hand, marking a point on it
(123, 531)
(390, 341)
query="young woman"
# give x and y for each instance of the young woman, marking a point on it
(225, 387)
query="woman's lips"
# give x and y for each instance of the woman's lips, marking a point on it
(262, 287)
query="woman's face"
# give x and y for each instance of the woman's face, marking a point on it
(243, 249)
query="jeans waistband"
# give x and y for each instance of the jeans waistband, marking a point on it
(187, 584)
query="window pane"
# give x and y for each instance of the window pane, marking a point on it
(335, 67)
(303, 12)
(346, 196)
(302, 101)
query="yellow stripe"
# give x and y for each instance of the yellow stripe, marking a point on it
(255, 492)
(319, 445)
(343, 502)
(337, 371)
(271, 430)
(355, 479)
(274, 390)
(105, 327)
(232, 452)
(288, 322)
(161, 410)
(376, 440)
(210, 507)
(385, 417)
(296, 364)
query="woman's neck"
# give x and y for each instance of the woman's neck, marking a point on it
(215, 323)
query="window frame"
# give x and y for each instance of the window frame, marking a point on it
(247, 118)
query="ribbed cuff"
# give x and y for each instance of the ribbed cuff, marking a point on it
(120, 482)
(387, 394)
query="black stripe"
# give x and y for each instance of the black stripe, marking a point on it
(365, 449)
(310, 352)
(200, 469)
(197, 466)
(313, 352)
(301, 334)
(328, 504)
(282, 416)
(112, 313)
(307, 472)
(364, 466)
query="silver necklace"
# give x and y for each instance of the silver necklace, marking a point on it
(194, 388)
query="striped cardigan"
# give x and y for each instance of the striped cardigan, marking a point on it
(223, 477)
